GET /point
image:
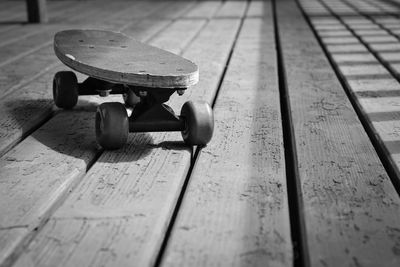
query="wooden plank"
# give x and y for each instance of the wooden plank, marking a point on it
(379, 39)
(364, 70)
(351, 209)
(146, 27)
(354, 59)
(374, 85)
(258, 9)
(15, 51)
(389, 132)
(235, 210)
(37, 11)
(232, 9)
(186, 31)
(25, 180)
(340, 40)
(326, 20)
(330, 27)
(125, 202)
(369, 26)
(396, 68)
(336, 34)
(371, 32)
(175, 9)
(387, 20)
(204, 10)
(346, 48)
(380, 105)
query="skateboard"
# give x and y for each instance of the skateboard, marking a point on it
(146, 76)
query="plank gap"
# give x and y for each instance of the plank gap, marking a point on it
(296, 214)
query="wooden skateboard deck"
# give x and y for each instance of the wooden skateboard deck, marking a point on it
(117, 58)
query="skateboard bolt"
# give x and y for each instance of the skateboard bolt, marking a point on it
(142, 93)
(180, 92)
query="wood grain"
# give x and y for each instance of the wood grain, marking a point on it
(32, 184)
(204, 10)
(232, 9)
(235, 210)
(390, 104)
(351, 208)
(175, 9)
(258, 8)
(186, 30)
(120, 211)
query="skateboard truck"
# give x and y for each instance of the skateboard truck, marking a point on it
(149, 114)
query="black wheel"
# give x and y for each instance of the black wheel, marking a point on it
(199, 121)
(65, 89)
(131, 99)
(112, 125)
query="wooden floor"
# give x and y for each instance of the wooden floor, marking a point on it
(303, 168)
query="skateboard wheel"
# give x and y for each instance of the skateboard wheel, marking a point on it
(199, 123)
(112, 125)
(65, 89)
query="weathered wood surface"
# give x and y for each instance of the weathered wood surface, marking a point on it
(351, 209)
(138, 197)
(67, 202)
(232, 9)
(118, 58)
(205, 9)
(235, 209)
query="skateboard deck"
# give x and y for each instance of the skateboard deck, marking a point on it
(117, 58)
